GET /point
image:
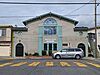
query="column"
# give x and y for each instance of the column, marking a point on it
(40, 40)
(59, 33)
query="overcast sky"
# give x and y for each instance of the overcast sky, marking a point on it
(82, 13)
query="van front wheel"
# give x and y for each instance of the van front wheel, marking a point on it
(57, 56)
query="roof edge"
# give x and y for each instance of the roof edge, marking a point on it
(49, 14)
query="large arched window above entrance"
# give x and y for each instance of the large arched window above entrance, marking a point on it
(50, 21)
(50, 26)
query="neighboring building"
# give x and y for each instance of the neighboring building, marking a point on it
(5, 40)
(48, 33)
(18, 49)
(91, 33)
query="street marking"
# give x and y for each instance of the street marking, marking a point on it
(34, 64)
(6, 58)
(64, 64)
(96, 65)
(80, 64)
(18, 64)
(5, 64)
(49, 64)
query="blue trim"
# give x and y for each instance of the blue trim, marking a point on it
(59, 43)
(59, 33)
(40, 40)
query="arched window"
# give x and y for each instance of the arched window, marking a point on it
(50, 26)
(50, 21)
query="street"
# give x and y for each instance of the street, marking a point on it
(49, 67)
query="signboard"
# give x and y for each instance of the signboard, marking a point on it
(50, 40)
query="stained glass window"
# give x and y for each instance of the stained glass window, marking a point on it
(50, 21)
(50, 28)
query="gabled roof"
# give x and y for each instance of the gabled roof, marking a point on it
(48, 15)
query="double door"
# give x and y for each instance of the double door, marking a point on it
(49, 47)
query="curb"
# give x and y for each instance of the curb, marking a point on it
(94, 59)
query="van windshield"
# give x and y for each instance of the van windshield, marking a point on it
(63, 50)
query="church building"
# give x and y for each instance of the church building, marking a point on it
(46, 34)
(49, 33)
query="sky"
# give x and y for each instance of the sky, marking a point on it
(84, 14)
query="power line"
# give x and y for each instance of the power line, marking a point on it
(15, 16)
(78, 8)
(44, 3)
(33, 16)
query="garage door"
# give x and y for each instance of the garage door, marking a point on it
(4, 51)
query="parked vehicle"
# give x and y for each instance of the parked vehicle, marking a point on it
(69, 53)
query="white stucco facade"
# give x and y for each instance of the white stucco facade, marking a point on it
(34, 40)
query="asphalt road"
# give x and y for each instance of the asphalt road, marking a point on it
(49, 67)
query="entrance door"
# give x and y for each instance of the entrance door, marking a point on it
(44, 52)
(19, 50)
(48, 48)
(82, 46)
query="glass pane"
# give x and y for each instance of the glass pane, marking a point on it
(64, 50)
(50, 21)
(55, 46)
(77, 49)
(49, 30)
(71, 50)
(3, 32)
(45, 46)
(50, 46)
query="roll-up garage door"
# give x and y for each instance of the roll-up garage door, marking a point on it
(5, 51)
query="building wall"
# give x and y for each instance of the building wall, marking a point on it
(30, 39)
(98, 39)
(5, 42)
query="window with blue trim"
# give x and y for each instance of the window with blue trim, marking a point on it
(50, 26)
(50, 21)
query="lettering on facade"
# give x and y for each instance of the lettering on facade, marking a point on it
(50, 40)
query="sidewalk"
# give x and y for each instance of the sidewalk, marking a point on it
(91, 58)
(43, 57)
(27, 57)
(5, 57)
(39, 57)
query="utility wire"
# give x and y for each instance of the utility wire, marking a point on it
(33, 16)
(44, 3)
(77, 8)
